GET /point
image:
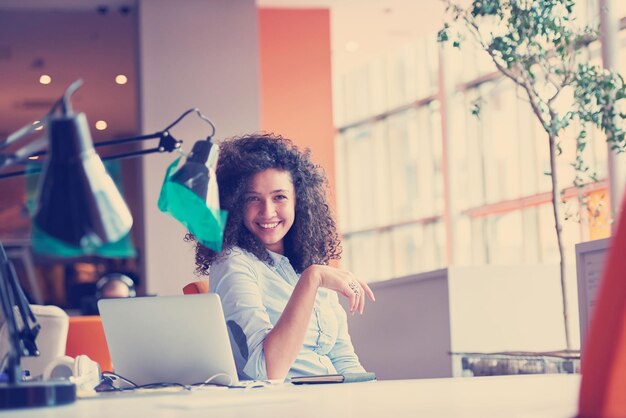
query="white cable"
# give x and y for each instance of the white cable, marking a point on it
(208, 381)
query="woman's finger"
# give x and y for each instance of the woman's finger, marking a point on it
(354, 300)
(361, 302)
(356, 291)
(360, 299)
(368, 291)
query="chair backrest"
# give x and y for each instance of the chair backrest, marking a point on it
(603, 365)
(200, 286)
(86, 336)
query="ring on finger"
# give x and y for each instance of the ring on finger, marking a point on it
(355, 288)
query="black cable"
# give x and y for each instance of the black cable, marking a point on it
(3, 362)
(200, 114)
(108, 384)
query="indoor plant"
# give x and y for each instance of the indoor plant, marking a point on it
(539, 45)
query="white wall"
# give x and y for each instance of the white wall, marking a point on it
(509, 308)
(417, 321)
(405, 334)
(196, 53)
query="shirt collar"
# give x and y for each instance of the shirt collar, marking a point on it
(277, 258)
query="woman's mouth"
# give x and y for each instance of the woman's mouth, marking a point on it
(268, 225)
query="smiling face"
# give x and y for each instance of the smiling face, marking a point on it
(269, 208)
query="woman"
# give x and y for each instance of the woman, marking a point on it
(278, 294)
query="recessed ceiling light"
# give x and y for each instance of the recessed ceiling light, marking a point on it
(45, 79)
(121, 79)
(352, 46)
(40, 127)
(101, 125)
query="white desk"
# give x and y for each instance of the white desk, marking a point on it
(531, 396)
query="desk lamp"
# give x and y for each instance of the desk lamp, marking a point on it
(79, 205)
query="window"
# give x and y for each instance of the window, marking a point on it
(394, 176)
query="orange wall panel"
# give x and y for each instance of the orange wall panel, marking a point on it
(598, 213)
(296, 85)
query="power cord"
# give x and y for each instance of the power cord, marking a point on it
(215, 376)
(113, 382)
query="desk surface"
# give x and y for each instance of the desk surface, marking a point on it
(535, 396)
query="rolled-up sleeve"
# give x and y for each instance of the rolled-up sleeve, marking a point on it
(237, 284)
(342, 354)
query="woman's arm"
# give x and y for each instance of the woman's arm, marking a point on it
(284, 342)
(235, 281)
(342, 354)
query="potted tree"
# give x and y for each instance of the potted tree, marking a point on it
(539, 45)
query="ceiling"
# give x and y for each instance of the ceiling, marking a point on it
(96, 37)
(68, 45)
(363, 28)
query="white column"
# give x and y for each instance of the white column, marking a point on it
(616, 163)
(196, 53)
(449, 211)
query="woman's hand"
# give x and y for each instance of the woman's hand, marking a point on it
(343, 282)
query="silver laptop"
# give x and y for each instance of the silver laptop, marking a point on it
(169, 339)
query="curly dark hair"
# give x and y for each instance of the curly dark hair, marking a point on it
(313, 237)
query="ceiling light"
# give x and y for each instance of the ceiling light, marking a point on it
(45, 79)
(101, 125)
(40, 127)
(121, 79)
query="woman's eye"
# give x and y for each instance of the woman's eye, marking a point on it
(251, 199)
(280, 197)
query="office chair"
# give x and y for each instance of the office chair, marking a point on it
(86, 336)
(200, 286)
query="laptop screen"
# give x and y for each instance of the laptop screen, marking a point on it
(169, 339)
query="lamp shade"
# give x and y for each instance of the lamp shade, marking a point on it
(78, 202)
(190, 195)
(194, 174)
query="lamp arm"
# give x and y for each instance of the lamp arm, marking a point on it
(167, 143)
(30, 325)
(129, 139)
(132, 154)
(21, 133)
(33, 148)
(26, 130)
(22, 342)
(199, 113)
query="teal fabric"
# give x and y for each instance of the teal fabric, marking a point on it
(205, 223)
(47, 245)
(44, 244)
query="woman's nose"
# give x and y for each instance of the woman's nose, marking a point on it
(268, 209)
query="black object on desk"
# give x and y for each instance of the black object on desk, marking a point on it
(333, 378)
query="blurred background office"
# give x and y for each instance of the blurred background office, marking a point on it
(418, 183)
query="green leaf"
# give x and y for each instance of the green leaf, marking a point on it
(442, 35)
(476, 107)
(485, 7)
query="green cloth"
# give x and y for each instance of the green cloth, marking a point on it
(44, 244)
(47, 245)
(205, 223)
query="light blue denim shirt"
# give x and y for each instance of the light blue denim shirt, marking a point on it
(254, 295)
